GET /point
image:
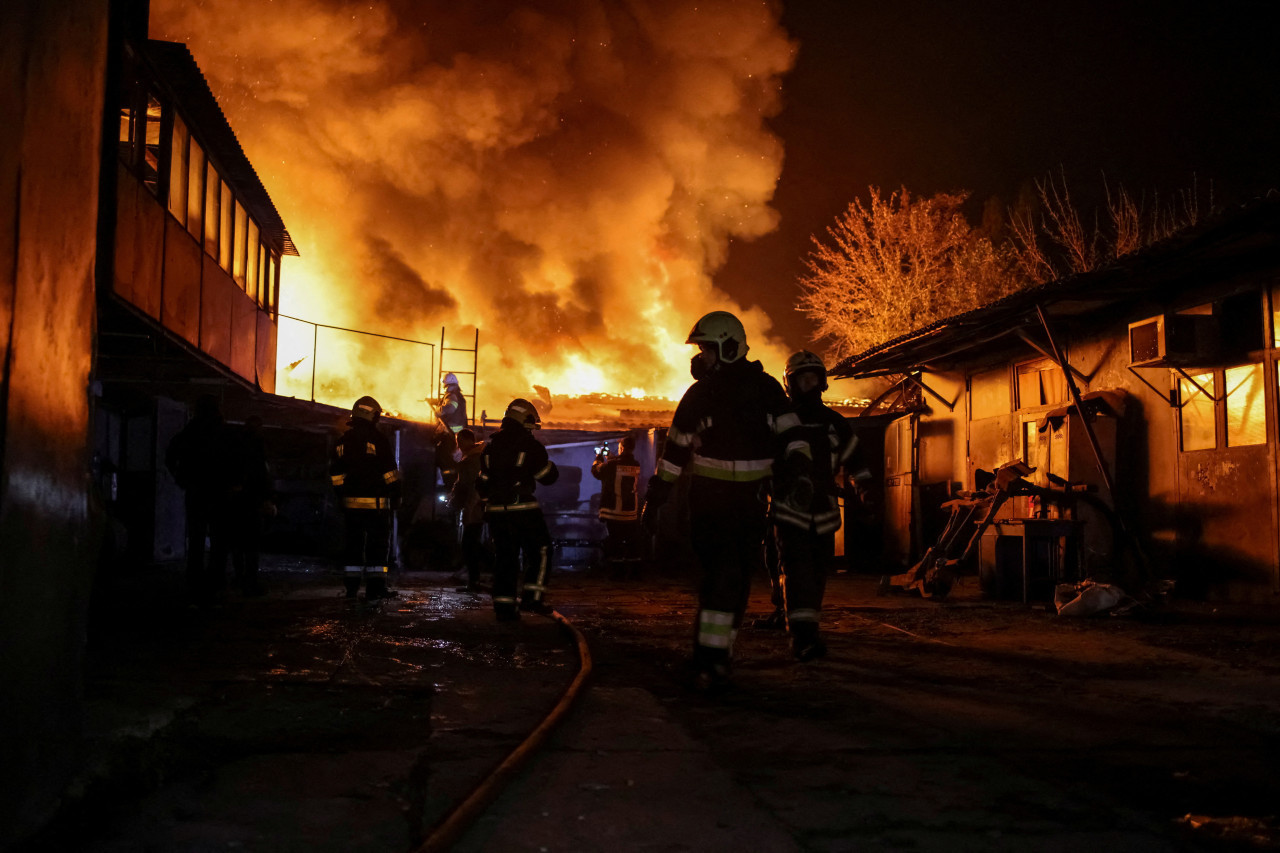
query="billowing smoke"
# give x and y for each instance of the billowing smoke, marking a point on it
(563, 176)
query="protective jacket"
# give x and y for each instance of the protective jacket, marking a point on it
(465, 499)
(452, 410)
(728, 426)
(619, 487)
(512, 464)
(363, 468)
(831, 445)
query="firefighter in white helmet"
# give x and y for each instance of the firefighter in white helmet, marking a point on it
(806, 512)
(725, 435)
(364, 473)
(451, 418)
(452, 408)
(512, 465)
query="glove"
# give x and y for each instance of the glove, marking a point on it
(655, 496)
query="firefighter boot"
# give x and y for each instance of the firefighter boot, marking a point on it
(351, 584)
(711, 669)
(806, 643)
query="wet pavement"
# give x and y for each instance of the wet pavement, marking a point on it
(298, 721)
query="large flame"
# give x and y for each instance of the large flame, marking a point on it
(563, 176)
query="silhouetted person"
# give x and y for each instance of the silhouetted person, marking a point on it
(467, 503)
(512, 465)
(364, 473)
(251, 504)
(200, 458)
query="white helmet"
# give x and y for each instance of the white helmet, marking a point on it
(725, 331)
(450, 381)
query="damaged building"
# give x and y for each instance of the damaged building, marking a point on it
(1171, 354)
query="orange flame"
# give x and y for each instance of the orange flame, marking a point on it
(564, 177)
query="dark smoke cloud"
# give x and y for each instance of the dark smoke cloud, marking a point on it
(563, 175)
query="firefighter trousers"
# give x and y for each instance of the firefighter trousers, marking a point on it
(520, 539)
(805, 557)
(366, 548)
(727, 522)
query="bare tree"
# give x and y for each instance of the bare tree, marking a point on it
(899, 263)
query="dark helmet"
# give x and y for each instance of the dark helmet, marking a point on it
(725, 331)
(366, 409)
(522, 412)
(802, 361)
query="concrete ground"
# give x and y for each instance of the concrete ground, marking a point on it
(298, 722)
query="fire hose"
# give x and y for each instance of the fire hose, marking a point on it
(459, 819)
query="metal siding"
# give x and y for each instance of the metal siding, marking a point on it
(1225, 496)
(216, 296)
(180, 310)
(244, 334)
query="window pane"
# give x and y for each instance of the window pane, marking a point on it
(1246, 406)
(212, 201)
(253, 248)
(151, 153)
(1040, 383)
(1197, 413)
(225, 234)
(237, 257)
(195, 194)
(178, 170)
(128, 134)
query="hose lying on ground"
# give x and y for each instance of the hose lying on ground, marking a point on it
(452, 826)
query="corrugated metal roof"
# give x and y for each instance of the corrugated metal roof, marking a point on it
(1237, 242)
(178, 74)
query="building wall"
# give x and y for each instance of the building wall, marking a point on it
(1204, 518)
(52, 76)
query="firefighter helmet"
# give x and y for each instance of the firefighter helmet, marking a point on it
(522, 412)
(366, 409)
(725, 331)
(450, 381)
(802, 361)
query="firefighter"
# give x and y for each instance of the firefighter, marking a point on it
(806, 512)
(201, 458)
(364, 474)
(451, 418)
(620, 504)
(452, 410)
(512, 463)
(470, 508)
(725, 434)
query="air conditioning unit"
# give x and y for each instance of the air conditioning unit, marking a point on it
(1173, 340)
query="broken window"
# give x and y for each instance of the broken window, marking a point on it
(1040, 383)
(1197, 414)
(1246, 407)
(151, 149)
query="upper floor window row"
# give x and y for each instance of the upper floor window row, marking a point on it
(156, 145)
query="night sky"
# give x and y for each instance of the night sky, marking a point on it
(989, 97)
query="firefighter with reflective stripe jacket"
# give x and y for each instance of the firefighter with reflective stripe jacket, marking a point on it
(363, 470)
(806, 512)
(512, 464)
(725, 434)
(619, 478)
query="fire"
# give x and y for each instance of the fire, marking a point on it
(564, 177)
